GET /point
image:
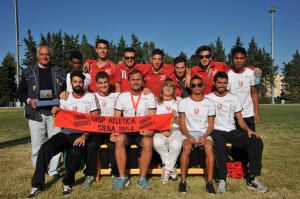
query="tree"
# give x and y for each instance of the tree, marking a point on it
(219, 51)
(136, 44)
(238, 42)
(87, 50)
(30, 50)
(291, 73)
(70, 43)
(56, 47)
(8, 85)
(121, 48)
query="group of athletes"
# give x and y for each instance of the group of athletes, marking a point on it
(212, 104)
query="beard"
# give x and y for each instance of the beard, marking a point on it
(78, 89)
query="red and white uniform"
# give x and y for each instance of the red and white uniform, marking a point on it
(226, 107)
(197, 113)
(127, 102)
(168, 106)
(154, 79)
(85, 104)
(240, 85)
(208, 83)
(113, 70)
(87, 82)
(107, 103)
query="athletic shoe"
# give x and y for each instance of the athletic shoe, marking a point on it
(66, 190)
(182, 187)
(115, 180)
(34, 191)
(254, 184)
(56, 177)
(121, 184)
(174, 175)
(88, 182)
(143, 184)
(210, 187)
(221, 186)
(165, 175)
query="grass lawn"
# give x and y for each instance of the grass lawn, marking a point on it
(279, 128)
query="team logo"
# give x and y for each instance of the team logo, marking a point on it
(241, 83)
(219, 106)
(168, 108)
(196, 111)
(214, 72)
(74, 108)
(103, 104)
(108, 71)
(162, 77)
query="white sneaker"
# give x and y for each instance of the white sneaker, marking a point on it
(221, 186)
(174, 175)
(165, 175)
(256, 185)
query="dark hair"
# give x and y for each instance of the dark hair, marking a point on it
(157, 51)
(102, 41)
(179, 59)
(77, 73)
(129, 50)
(196, 77)
(238, 49)
(75, 54)
(202, 48)
(102, 75)
(135, 72)
(221, 75)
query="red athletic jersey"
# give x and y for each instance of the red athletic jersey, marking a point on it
(113, 70)
(155, 80)
(144, 68)
(208, 83)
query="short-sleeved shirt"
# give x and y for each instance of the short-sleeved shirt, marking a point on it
(113, 70)
(144, 68)
(107, 103)
(85, 104)
(87, 82)
(208, 83)
(240, 84)
(124, 103)
(154, 80)
(168, 106)
(196, 113)
(226, 107)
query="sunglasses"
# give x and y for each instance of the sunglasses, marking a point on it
(204, 56)
(194, 85)
(127, 58)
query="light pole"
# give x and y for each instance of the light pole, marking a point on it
(17, 42)
(272, 10)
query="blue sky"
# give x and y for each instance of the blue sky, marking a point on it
(173, 25)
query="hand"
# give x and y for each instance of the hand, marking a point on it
(86, 67)
(54, 110)
(32, 101)
(120, 62)
(146, 133)
(146, 91)
(113, 137)
(250, 133)
(187, 80)
(80, 141)
(201, 140)
(191, 139)
(256, 118)
(166, 133)
(64, 95)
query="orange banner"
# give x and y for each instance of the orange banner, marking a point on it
(103, 124)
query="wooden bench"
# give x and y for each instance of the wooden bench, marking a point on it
(136, 171)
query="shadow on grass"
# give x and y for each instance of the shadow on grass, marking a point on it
(11, 143)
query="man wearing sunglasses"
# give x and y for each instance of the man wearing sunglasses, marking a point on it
(197, 115)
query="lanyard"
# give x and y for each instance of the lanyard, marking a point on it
(135, 104)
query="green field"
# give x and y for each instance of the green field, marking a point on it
(279, 127)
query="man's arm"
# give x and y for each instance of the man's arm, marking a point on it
(254, 96)
(117, 87)
(243, 124)
(210, 128)
(184, 129)
(148, 133)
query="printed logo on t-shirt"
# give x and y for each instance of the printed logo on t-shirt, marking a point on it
(219, 106)
(241, 83)
(108, 71)
(168, 108)
(214, 72)
(103, 103)
(196, 111)
(163, 77)
(74, 108)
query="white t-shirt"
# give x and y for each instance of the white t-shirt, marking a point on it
(86, 104)
(226, 107)
(168, 107)
(107, 103)
(196, 113)
(87, 82)
(240, 85)
(124, 103)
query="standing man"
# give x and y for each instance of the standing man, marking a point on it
(134, 103)
(42, 81)
(229, 106)
(180, 74)
(82, 102)
(103, 64)
(197, 116)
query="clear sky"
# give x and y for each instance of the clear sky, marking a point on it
(174, 25)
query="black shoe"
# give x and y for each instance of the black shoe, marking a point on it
(210, 188)
(34, 191)
(182, 187)
(66, 190)
(56, 177)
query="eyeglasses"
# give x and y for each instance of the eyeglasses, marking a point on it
(204, 56)
(168, 86)
(194, 85)
(127, 58)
